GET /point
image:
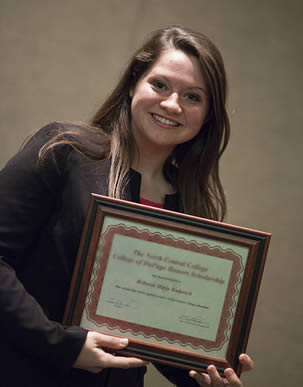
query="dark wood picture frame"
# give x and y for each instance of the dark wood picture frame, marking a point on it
(136, 222)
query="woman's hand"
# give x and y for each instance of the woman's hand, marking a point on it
(93, 358)
(213, 379)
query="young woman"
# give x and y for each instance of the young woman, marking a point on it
(156, 140)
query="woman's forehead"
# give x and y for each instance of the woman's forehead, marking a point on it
(176, 63)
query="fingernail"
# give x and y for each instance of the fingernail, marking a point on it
(228, 372)
(123, 341)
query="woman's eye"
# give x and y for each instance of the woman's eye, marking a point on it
(159, 85)
(191, 97)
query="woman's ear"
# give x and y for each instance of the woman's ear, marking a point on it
(131, 93)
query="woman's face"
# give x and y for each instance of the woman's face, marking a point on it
(169, 103)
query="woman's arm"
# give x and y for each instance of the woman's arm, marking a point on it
(27, 197)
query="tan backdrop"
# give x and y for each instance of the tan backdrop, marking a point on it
(60, 58)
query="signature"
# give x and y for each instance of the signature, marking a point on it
(199, 321)
(117, 303)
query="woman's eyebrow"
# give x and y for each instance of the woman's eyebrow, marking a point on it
(199, 88)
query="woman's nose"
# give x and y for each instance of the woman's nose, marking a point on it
(171, 104)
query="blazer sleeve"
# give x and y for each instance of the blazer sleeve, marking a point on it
(27, 196)
(179, 377)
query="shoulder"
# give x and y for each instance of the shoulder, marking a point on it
(57, 138)
(54, 129)
(53, 137)
(58, 146)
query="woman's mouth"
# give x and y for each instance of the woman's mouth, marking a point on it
(165, 121)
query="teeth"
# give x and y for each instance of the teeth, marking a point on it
(164, 120)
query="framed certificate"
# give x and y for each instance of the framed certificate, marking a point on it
(182, 289)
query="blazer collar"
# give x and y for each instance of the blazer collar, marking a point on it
(132, 189)
(132, 192)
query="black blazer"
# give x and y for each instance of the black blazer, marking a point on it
(42, 212)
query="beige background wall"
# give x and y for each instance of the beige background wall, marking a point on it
(60, 58)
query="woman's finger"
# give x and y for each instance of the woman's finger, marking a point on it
(215, 378)
(200, 378)
(109, 341)
(232, 378)
(112, 361)
(246, 362)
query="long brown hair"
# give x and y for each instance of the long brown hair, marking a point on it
(193, 167)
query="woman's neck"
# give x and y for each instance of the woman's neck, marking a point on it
(154, 186)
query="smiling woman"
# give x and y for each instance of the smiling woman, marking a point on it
(157, 140)
(169, 104)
